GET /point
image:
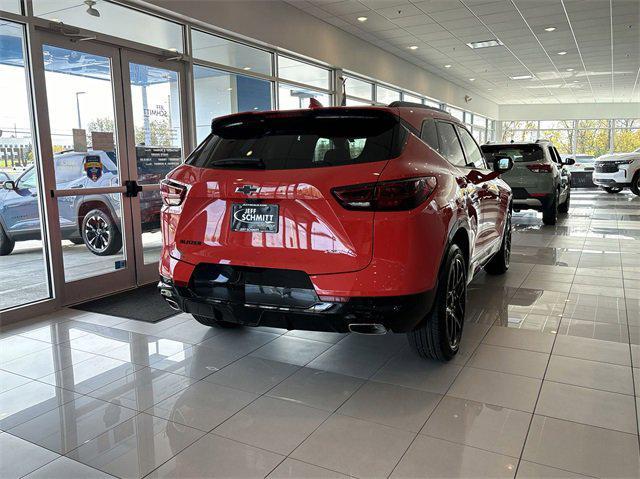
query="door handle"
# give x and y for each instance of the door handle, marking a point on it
(76, 187)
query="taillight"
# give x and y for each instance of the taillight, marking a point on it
(540, 167)
(172, 193)
(395, 195)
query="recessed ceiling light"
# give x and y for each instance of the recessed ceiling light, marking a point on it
(521, 77)
(489, 89)
(247, 68)
(485, 43)
(362, 19)
(447, 66)
(472, 79)
(562, 53)
(569, 69)
(550, 29)
(413, 47)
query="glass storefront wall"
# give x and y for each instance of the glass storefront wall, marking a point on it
(220, 50)
(358, 88)
(11, 6)
(578, 137)
(385, 95)
(24, 278)
(219, 93)
(115, 20)
(302, 72)
(626, 135)
(291, 97)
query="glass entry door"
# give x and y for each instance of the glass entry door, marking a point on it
(154, 102)
(115, 129)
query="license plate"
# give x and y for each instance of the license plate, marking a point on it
(255, 218)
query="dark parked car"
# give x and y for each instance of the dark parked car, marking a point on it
(90, 219)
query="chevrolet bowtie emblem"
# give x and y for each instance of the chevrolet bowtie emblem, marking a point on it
(247, 189)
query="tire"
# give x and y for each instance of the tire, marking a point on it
(635, 184)
(215, 323)
(6, 243)
(612, 189)
(564, 207)
(438, 335)
(550, 213)
(77, 240)
(499, 264)
(100, 233)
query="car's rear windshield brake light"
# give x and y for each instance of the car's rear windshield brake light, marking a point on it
(172, 193)
(540, 167)
(395, 195)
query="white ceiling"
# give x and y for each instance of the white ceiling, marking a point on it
(601, 38)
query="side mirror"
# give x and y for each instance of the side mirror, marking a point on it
(9, 185)
(502, 164)
(569, 161)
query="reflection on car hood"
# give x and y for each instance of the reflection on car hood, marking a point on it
(619, 156)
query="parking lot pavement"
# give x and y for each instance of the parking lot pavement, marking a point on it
(23, 277)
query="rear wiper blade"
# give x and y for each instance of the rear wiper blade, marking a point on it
(245, 162)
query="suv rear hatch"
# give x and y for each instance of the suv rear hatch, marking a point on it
(261, 189)
(531, 171)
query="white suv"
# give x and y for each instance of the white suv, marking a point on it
(617, 171)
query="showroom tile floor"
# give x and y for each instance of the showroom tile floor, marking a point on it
(544, 385)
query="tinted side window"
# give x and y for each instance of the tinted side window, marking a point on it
(449, 145)
(429, 134)
(474, 155)
(29, 180)
(556, 155)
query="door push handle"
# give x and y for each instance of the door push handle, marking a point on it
(132, 188)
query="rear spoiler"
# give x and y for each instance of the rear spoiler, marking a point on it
(257, 118)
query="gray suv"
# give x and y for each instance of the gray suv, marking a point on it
(539, 178)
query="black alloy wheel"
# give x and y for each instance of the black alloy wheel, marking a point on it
(455, 302)
(438, 334)
(612, 189)
(100, 233)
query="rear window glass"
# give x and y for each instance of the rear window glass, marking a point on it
(518, 153)
(306, 139)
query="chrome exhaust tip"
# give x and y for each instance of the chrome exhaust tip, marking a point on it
(367, 328)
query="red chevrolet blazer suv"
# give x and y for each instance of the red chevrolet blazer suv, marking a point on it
(361, 219)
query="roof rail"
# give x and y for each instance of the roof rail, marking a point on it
(409, 104)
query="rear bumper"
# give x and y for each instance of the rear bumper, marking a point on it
(523, 200)
(397, 314)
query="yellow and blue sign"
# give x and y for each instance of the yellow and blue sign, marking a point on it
(93, 167)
